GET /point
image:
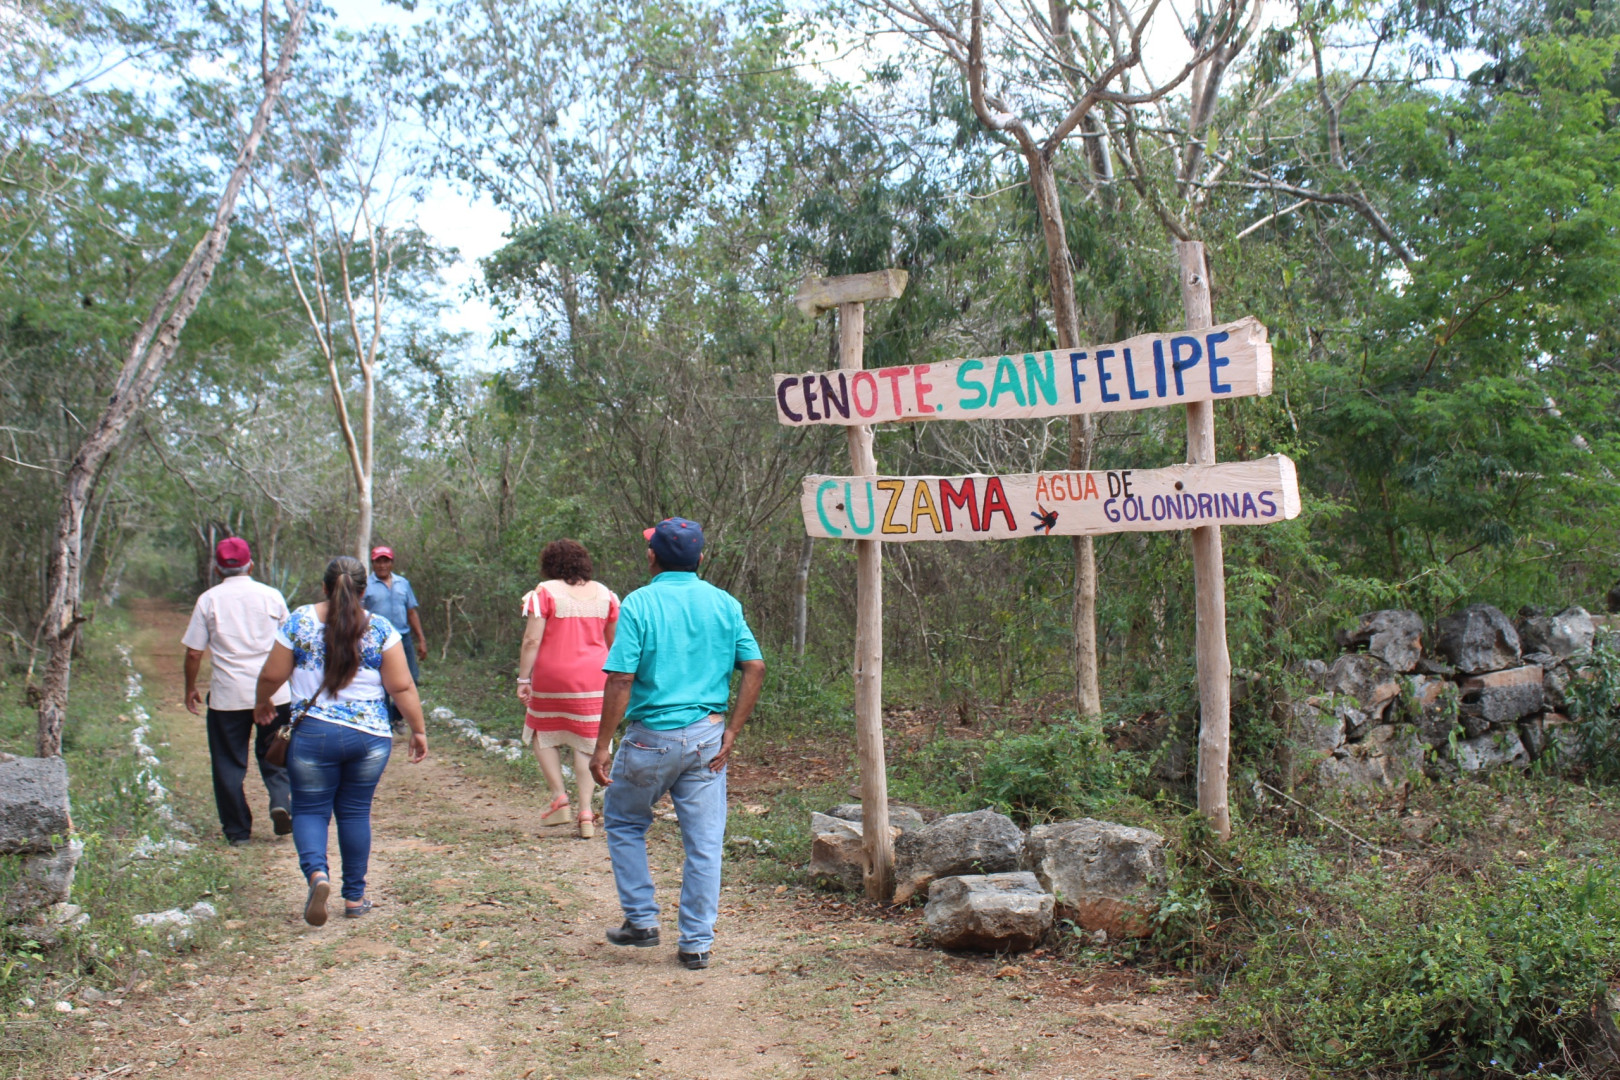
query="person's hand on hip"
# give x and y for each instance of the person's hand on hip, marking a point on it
(720, 758)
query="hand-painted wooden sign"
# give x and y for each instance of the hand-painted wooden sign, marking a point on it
(898, 509)
(1145, 372)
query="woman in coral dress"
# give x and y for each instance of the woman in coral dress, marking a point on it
(571, 620)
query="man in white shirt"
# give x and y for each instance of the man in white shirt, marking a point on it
(236, 622)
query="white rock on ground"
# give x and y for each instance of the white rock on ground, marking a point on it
(983, 842)
(989, 912)
(1105, 876)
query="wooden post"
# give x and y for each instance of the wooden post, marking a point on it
(850, 294)
(1209, 576)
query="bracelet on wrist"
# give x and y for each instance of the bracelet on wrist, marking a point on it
(525, 680)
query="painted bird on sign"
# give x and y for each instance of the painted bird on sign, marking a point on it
(1046, 518)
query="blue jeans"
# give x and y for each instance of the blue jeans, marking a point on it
(648, 764)
(335, 769)
(396, 717)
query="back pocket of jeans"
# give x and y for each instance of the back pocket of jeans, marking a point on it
(642, 763)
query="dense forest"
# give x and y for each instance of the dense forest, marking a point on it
(1417, 201)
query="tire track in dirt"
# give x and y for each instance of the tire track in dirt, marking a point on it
(484, 957)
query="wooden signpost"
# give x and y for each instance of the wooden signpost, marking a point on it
(1196, 367)
(849, 295)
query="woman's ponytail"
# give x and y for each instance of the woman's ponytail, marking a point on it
(346, 621)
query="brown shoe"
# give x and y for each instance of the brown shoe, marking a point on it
(587, 824)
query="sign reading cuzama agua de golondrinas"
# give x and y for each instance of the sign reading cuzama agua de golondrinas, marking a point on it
(898, 509)
(1150, 371)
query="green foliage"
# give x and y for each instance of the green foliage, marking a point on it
(1489, 975)
(1051, 771)
(1047, 772)
(1594, 699)
(803, 692)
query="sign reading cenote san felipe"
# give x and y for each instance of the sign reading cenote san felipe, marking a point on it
(897, 509)
(1150, 371)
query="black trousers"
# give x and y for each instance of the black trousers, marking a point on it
(229, 732)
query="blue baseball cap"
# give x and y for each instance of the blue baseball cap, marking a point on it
(677, 542)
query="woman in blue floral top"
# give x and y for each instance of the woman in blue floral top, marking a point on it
(341, 663)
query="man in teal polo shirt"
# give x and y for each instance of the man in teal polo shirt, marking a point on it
(669, 674)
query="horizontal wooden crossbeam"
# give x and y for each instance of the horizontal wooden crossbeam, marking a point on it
(817, 294)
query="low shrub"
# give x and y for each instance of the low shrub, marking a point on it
(1050, 771)
(1594, 702)
(1492, 975)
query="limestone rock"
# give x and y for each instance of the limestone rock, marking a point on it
(1390, 755)
(1556, 685)
(33, 804)
(1434, 668)
(1565, 634)
(1477, 639)
(1310, 733)
(1364, 678)
(904, 818)
(983, 842)
(1310, 728)
(1395, 637)
(989, 912)
(1502, 697)
(1493, 751)
(45, 880)
(1562, 739)
(1533, 734)
(1433, 708)
(1105, 876)
(837, 851)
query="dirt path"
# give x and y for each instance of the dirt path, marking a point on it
(485, 958)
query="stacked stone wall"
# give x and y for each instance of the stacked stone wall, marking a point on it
(1480, 691)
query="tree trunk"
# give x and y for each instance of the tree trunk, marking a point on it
(1209, 578)
(801, 597)
(1087, 692)
(154, 344)
(362, 528)
(368, 414)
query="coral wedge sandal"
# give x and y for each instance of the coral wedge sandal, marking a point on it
(560, 812)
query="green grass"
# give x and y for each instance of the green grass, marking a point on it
(110, 815)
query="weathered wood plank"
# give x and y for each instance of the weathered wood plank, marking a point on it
(818, 294)
(877, 843)
(902, 509)
(1145, 372)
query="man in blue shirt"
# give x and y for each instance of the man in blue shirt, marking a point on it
(669, 674)
(390, 595)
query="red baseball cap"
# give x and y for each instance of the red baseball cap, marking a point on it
(232, 552)
(382, 551)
